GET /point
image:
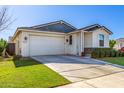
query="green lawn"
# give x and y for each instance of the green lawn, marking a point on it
(114, 60)
(28, 74)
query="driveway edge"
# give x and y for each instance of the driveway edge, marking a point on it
(115, 65)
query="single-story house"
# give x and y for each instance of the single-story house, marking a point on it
(59, 37)
(119, 43)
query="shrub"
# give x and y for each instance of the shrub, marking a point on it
(3, 44)
(113, 53)
(1, 50)
(121, 54)
(95, 54)
(100, 52)
(107, 53)
(118, 53)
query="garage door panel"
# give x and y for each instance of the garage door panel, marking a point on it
(44, 45)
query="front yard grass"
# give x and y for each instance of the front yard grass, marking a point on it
(114, 60)
(28, 74)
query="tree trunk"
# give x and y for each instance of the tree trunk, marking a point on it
(5, 54)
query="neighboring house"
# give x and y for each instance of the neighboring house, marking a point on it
(59, 38)
(10, 39)
(119, 43)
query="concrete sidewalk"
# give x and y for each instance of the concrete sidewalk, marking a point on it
(109, 81)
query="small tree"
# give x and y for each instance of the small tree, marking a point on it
(112, 43)
(3, 46)
(5, 19)
(5, 22)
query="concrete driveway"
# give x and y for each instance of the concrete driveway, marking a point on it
(84, 72)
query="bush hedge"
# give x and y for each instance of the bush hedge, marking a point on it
(1, 50)
(106, 52)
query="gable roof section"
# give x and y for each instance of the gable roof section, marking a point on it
(110, 32)
(95, 27)
(91, 27)
(58, 26)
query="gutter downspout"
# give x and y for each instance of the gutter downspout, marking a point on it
(82, 43)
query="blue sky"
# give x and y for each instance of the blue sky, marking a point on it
(79, 16)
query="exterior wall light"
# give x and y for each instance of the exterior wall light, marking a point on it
(66, 40)
(25, 38)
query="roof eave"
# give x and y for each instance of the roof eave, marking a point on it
(110, 32)
(24, 29)
(88, 27)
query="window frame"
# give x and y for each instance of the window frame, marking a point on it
(70, 40)
(121, 45)
(101, 40)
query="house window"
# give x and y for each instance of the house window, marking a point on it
(70, 40)
(101, 40)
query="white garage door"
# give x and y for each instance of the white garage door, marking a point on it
(45, 45)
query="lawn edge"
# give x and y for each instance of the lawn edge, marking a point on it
(108, 63)
(69, 82)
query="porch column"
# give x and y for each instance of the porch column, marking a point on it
(82, 42)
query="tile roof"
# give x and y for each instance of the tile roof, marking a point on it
(120, 40)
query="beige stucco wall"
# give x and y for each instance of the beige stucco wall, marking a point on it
(18, 44)
(71, 49)
(75, 48)
(95, 38)
(25, 44)
(88, 39)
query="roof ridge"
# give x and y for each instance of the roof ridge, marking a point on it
(90, 26)
(54, 22)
